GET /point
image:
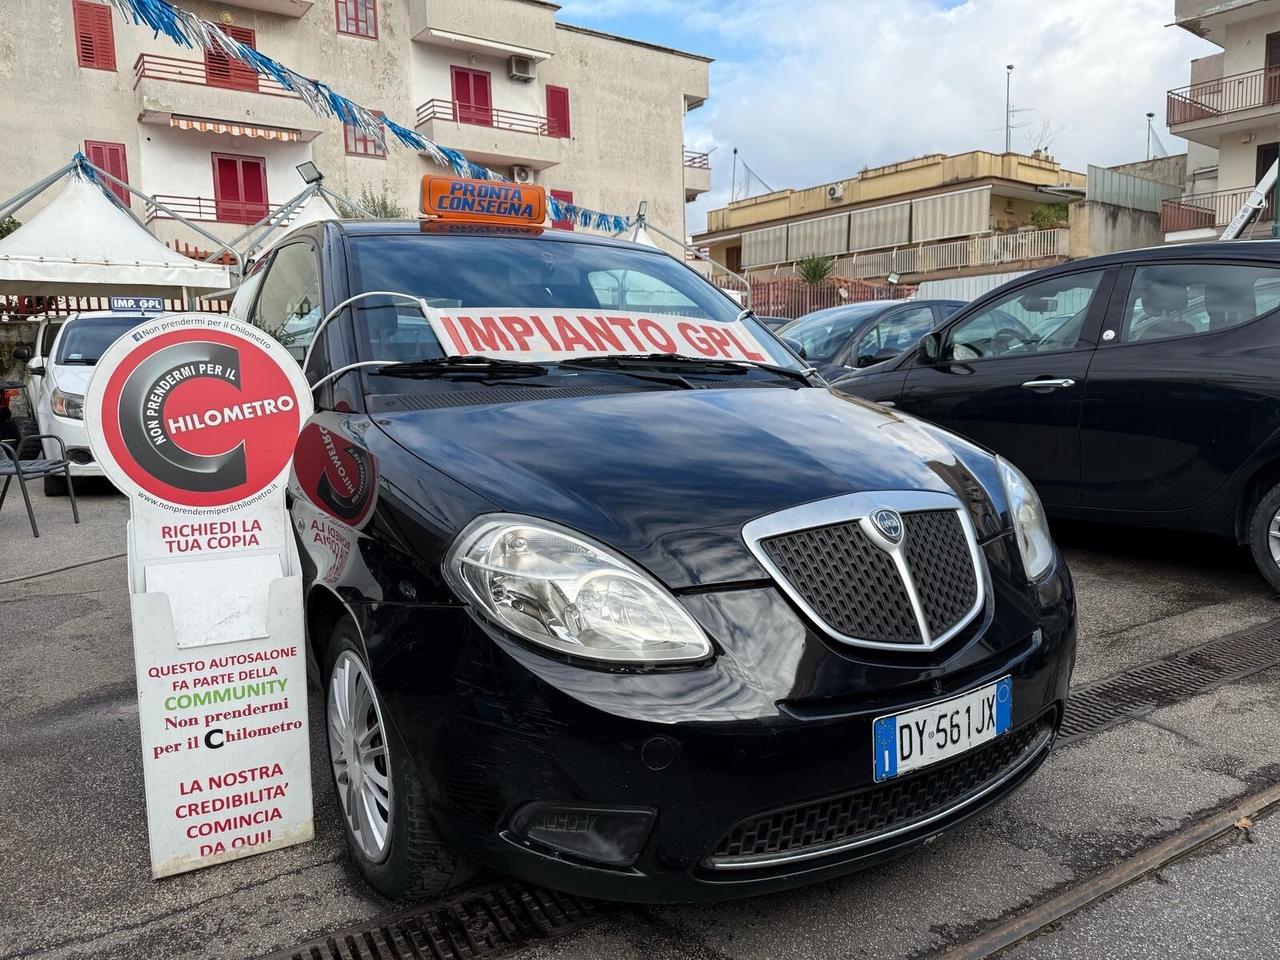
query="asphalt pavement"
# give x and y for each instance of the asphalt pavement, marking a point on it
(74, 880)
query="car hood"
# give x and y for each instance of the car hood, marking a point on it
(668, 478)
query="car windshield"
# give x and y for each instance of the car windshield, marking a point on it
(85, 339)
(822, 334)
(531, 276)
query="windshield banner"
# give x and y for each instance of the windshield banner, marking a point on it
(516, 333)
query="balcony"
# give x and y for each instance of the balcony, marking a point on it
(1208, 110)
(496, 28)
(1207, 213)
(492, 136)
(170, 85)
(210, 210)
(697, 174)
(285, 8)
(1024, 247)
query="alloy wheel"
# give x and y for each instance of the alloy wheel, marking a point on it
(1273, 537)
(358, 751)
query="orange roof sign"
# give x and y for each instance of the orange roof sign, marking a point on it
(483, 201)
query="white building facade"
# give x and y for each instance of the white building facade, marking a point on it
(1229, 114)
(596, 119)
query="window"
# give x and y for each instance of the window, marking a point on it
(239, 188)
(110, 157)
(471, 101)
(221, 71)
(95, 36)
(637, 292)
(359, 144)
(892, 335)
(1041, 318)
(557, 111)
(567, 197)
(289, 305)
(824, 333)
(359, 18)
(1185, 299)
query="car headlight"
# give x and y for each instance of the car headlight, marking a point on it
(67, 404)
(560, 590)
(1030, 525)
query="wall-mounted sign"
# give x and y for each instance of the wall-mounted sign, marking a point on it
(195, 417)
(137, 304)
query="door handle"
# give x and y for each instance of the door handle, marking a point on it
(1049, 384)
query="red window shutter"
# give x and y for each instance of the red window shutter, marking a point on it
(567, 197)
(239, 188)
(110, 157)
(95, 35)
(557, 111)
(471, 96)
(221, 71)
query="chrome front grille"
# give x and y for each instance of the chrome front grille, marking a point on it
(911, 590)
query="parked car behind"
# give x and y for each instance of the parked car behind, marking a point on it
(57, 379)
(1139, 387)
(839, 339)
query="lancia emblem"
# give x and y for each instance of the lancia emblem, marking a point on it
(888, 523)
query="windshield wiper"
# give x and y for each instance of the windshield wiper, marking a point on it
(447, 366)
(622, 361)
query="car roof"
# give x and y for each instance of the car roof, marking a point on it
(396, 228)
(101, 314)
(1263, 250)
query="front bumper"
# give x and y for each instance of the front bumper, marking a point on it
(75, 438)
(768, 732)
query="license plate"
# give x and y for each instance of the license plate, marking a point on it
(908, 741)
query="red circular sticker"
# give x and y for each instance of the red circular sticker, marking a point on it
(335, 474)
(200, 417)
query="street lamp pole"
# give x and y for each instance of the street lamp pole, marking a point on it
(1008, 109)
(1150, 117)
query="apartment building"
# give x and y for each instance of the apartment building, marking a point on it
(597, 119)
(1229, 114)
(924, 218)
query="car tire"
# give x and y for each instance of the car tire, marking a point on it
(1264, 530)
(410, 861)
(55, 486)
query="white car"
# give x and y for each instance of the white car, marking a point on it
(57, 379)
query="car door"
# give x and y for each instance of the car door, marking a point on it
(1010, 375)
(1183, 388)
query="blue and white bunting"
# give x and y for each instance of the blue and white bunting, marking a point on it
(186, 29)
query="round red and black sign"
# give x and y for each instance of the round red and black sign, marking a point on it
(336, 474)
(199, 416)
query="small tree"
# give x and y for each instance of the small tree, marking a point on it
(379, 204)
(813, 270)
(1045, 216)
(7, 226)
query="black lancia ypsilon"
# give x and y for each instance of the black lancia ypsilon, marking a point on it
(608, 591)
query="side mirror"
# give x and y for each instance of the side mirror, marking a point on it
(22, 352)
(930, 348)
(796, 347)
(35, 369)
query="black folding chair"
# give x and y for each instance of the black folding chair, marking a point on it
(12, 465)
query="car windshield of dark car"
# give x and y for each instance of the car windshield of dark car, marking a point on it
(524, 274)
(84, 340)
(822, 334)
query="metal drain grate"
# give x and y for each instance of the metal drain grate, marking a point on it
(486, 922)
(1108, 703)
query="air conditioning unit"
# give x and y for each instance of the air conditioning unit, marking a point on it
(522, 69)
(522, 174)
(835, 191)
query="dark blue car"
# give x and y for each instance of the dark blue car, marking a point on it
(845, 338)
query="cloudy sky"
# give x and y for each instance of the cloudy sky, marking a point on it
(814, 90)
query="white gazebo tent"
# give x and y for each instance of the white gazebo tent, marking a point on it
(83, 243)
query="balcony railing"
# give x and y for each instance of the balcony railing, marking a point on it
(1212, 98)
(1029, 245)
(698, 161)
(210, 209)
(150, 66)
(1203, 211)
(453, 111)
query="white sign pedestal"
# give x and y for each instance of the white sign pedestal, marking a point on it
(195, 417)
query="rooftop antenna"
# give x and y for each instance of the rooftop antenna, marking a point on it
(1010, 109)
